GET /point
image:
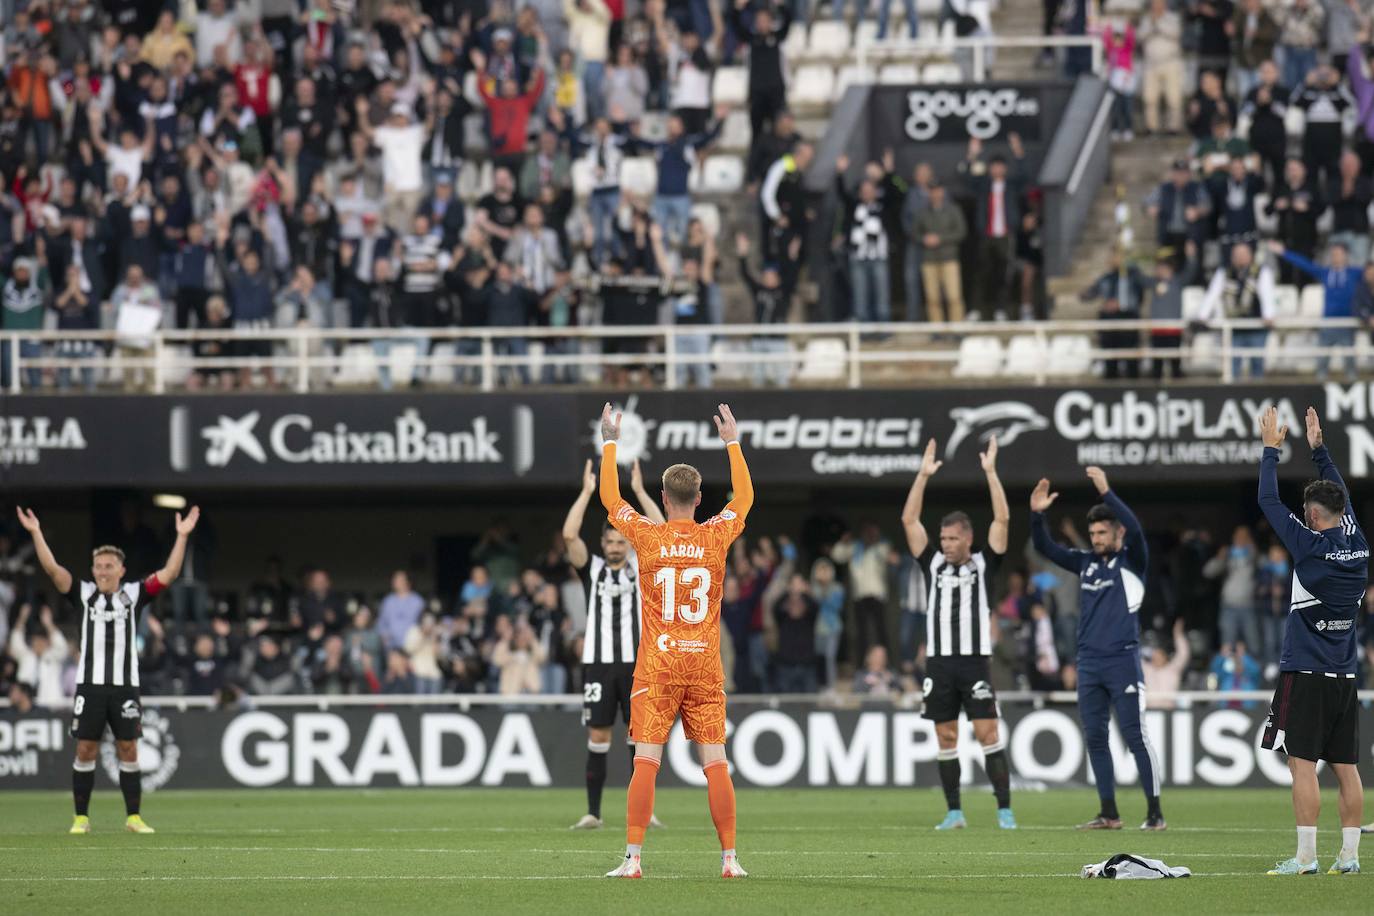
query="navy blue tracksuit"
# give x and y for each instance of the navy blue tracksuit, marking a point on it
(1111, 588)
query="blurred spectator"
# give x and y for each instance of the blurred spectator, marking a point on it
(1266, 105)
(400, 610)
(320, 604)
(1118, 47)
(207, 670)
(829, 595)
(941, 228)
(1179, 207)
(875, 678)
(795, 660)
(996, 188)
(1339, 281)
(41, 656)
(869, 558)
(1299, 37)
(519, 658)
(1244, 288)
(1235, 669)
(1350, 196)
(397, 679)
(1164, 675)
(424, 646)
(1121, 293)
(865, 233)
(1235, 565)
(1160, 35)
(1254, 35)
(1166, 304)
(271, 672)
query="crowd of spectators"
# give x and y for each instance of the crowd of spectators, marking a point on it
(839, 609)
(1270, 182)
(265, 164)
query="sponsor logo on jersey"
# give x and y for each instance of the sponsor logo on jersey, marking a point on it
(982, 690)
(130, 710)
(1333, 625)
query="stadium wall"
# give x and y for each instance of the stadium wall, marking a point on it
(771, 744)
(832, 437)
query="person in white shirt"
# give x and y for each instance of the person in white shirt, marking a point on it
(128, 157)
(401, 140)
(1164, 675)
(589, 31)
(217, 26)
(41, 658)
(1244, 289)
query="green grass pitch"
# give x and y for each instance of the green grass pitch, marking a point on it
(808, 851)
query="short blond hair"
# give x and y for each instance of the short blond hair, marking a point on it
(109, 549)
(682, 485)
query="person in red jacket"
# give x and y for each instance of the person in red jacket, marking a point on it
(509, 117)
(259, 89)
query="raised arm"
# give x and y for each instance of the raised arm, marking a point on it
(572, 524)
(169, 572)
(916, 537)
(1301, 263)
(61, 578)
(1321, 457)
(646, 502)
(1040, 501)
(1135, 535)
(1182, 653)
(999, 530)
(1296, 536)
(740, 482)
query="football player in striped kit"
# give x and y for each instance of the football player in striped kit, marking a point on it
(107, 679)
(959, 634)
(610, 581)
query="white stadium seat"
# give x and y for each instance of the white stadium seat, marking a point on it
(1294, 121)
(583, 177)
(812, 85)
(486, 178)
(1313, 301)
(942, 73)
(828, 40)
(1026, 355)
(730, 86)
(1204, 355)
(709, 214)
(1267, 225)
(475, 132)
(653, 125)
(823, 359)
(639, 175)
(899, 75)
(357, 365)
(1286, 303)
(979, 357)
(1193, 297)
(730, 370)
(734, 133)
(852, 75)
(794, 48)
(866, 33)
(442, 350)
(722, 174)
(1070, 355)
(466, 185)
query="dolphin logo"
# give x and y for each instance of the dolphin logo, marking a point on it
(1006, 420)
(665, 642)
(229, 436)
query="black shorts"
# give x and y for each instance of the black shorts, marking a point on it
(96, 707)
(1314, 717)
(958, 682)
(606, 688)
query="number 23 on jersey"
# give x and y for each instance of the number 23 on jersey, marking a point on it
(695, 581)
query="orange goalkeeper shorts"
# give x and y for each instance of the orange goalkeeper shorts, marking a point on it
(654, 708)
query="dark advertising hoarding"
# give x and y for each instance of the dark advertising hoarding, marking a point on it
(799, 437)
(791, 745)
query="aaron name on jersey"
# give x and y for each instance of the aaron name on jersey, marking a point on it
(681, 552)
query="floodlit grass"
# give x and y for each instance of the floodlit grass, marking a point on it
(812, 851)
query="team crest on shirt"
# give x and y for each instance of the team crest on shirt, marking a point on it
(982, 690)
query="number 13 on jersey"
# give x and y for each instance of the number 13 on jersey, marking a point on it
(696, 580)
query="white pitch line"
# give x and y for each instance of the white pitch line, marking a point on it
(458, 878)
(748, 853)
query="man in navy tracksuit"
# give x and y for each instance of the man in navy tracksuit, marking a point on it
(1315, 715)
(1112, 585)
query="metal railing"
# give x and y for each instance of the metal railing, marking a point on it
(466, 701)
(980, 48)
(488, 358)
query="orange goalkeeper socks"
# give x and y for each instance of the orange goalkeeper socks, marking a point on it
(720, 793)
(640, 805)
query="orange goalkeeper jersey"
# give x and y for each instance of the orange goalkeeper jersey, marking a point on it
(681, 578)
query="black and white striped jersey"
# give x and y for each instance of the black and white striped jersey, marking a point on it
(958, 612)
(109, 631)
(613, 608)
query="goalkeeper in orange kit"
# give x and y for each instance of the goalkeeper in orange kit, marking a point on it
(678, 670)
